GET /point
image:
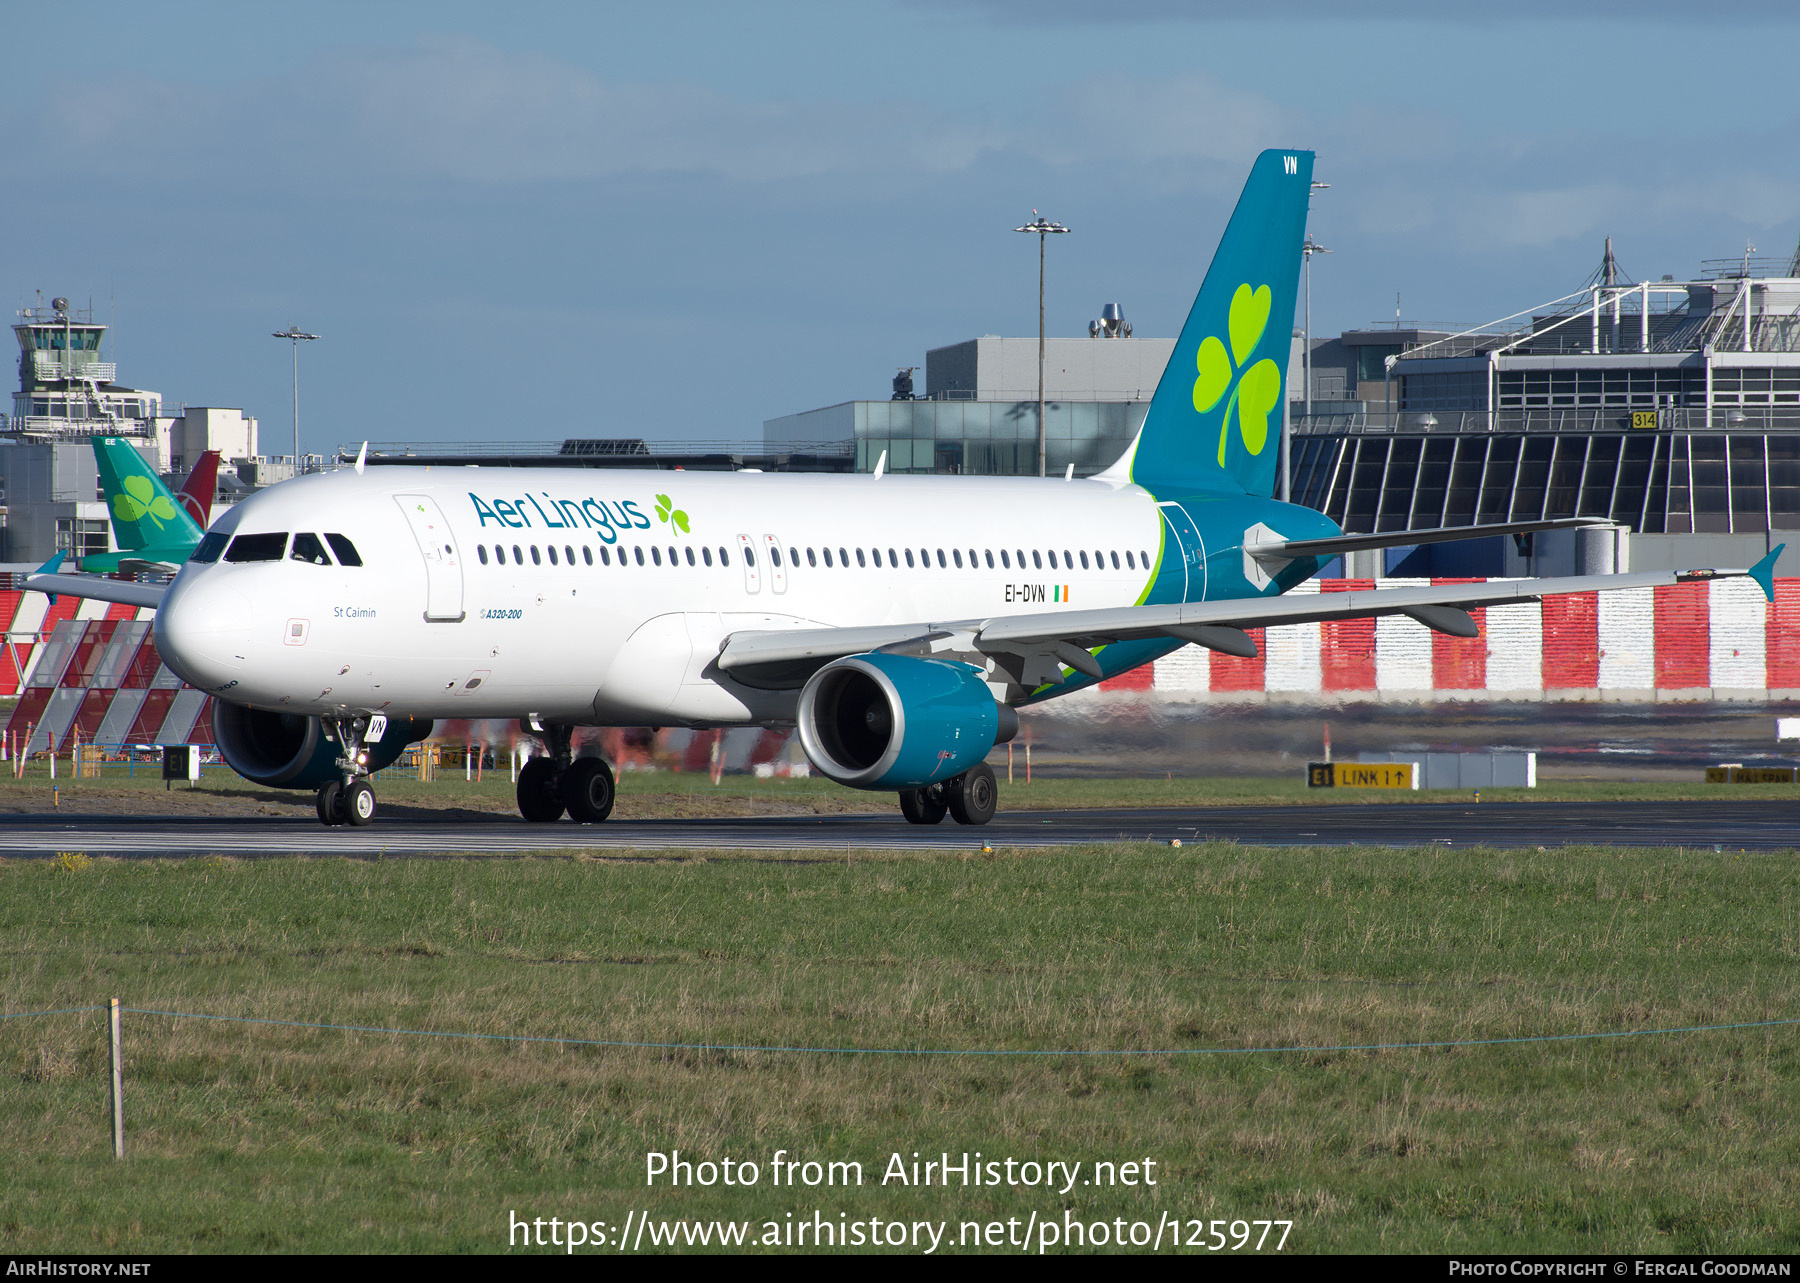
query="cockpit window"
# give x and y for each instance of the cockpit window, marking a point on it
(210, 547)
(308, 548)
(267, 547)
(345, 550)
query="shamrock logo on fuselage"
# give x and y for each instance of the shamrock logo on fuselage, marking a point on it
(1257, 389)
(667, 511)
(140, 500)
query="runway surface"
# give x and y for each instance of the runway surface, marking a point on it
(1732, 825)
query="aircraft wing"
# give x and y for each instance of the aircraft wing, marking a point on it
(1045, 642)
(126, 594)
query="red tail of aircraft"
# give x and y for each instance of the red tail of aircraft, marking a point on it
(200, 489)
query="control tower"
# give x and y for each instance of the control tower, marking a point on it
(66, 391)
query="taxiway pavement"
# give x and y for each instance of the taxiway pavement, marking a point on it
(1729, 825)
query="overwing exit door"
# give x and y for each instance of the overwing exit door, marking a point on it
(443, 566)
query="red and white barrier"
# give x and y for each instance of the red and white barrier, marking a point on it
(1719, 639)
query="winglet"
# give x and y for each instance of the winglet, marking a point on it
(50, 568)
(1764, 572)
(362, 457)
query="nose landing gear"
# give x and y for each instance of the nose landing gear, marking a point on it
(559, 781)
(350, 799)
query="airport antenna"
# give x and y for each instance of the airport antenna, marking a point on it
(1044, 228)
(295, 333)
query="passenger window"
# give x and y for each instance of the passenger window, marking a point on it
(345, 550)
(690, 555)
(1084, 564)
(827, 553)
(1052, 555)
(706, 555)
(481, 553)
(724, 556)
(674, 557)
(1130, 560)
(909, 560)
(587, 555)
(1146, 559)
(859, 557)
(1021, 559)
(1005, 561)
(637, 554)
(775, 555)
(568, 554)
(956, 554)
(605, 556)
(844, 558)
(1115, 558)
(552, 551)
(941, 562)
(208, 549)
(267, 547)
(894, 561)
(1037, 560)
(990, 558)
(749, 555)
(656, 554)
(1068, 561)
(535, 559)
(811, 560)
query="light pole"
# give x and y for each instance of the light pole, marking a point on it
(1044, 228)
(1310, 248)
(295, 333)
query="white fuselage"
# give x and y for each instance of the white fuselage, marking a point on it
(444, 619)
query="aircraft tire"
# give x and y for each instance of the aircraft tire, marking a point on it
(331, 803)
(923, 806)
(973, 796)
(587, 790)
(539, 800)
(358, 803)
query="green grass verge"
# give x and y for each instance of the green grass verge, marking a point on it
(248, 1137)
(649, 793)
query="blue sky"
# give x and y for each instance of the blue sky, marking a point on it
(543, 220)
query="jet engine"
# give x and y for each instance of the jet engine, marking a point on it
(880, 721)
(291, 751)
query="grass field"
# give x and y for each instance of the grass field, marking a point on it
(248, 1137)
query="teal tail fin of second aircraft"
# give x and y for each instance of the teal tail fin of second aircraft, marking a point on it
(1215, 421)
(144, 513)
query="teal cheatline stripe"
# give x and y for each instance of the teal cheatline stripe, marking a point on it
(60, 1011)
(958, 1051)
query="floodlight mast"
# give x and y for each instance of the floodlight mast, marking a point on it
(295, 334)
(1044, 228)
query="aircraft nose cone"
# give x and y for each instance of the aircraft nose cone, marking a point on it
(203, 633)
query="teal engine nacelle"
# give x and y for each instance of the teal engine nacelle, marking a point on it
(291, 751)
(881, 721)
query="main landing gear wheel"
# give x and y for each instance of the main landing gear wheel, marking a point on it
(973, 796)
(359, 803)
(587, 790)
(331, 803)
(923, 806)
(539, 800)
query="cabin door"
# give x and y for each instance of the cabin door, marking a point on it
(443, 565)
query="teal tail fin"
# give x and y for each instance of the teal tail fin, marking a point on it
(144, 513)
(1215, 421)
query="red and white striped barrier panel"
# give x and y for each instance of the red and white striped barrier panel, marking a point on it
(1717, 639)
(102, 682)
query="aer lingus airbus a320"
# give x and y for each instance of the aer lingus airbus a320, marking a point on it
(898, 621)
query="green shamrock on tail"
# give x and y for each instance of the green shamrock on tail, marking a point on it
(667, 511)
(1258, 388)
(140, 499)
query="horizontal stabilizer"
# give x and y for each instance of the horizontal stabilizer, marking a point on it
(119, 590)
(1288, 549)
